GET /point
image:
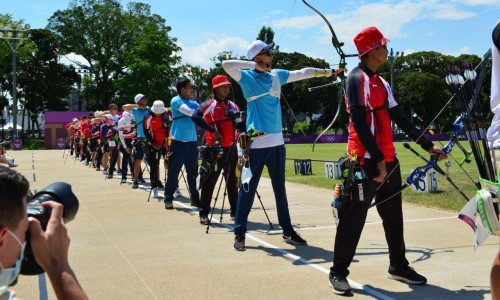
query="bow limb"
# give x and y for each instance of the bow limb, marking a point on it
(334, 118)
(336, 44)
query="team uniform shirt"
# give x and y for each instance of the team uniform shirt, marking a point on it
(126, 132)
(375, 95)
(95, 131)
(84, 129)
(262, 91)
(214, 113)
(113, 118)
(155, 130)
(139, 115)
(183, 128)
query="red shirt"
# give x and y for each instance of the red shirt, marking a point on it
(214, 113)
(84, 129)
(372, 93)
(154, 126)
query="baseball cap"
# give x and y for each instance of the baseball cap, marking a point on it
(158, 107)
(74, 120)
(256, 47)
(220, 80)
(369, 39)
(139, 97)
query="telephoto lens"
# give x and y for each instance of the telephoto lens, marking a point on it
(59, 192)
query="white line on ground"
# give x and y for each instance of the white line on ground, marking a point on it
(355, 284)
(304, 228)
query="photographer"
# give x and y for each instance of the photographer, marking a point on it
(50, 247)
(224, 115)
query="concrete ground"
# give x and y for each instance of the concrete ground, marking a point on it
(124, 247)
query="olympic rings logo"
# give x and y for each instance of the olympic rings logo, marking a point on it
(330, 138)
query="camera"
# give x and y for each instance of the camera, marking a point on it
(59, 192)
(234, 114)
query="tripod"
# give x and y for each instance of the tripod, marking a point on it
(225, 176)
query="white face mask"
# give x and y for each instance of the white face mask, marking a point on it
(246, 176)
(9, 275)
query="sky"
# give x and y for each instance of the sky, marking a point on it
(204, 28)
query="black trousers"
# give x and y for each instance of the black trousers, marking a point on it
(153, 159)
(226, 162)
(353, 219)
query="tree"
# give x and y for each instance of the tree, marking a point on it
(45, 81)
(266, 35)
(128, 51)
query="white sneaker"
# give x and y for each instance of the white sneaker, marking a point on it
(177, 193)
(155, 193)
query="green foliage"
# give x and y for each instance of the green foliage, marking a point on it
(266, 35)
(445, 198)
(45, 81)
(300, 127)
(128, 50)
(34, 144)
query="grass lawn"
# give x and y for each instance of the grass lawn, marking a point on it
(446, 197)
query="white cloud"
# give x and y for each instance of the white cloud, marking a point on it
(73, 59)
(200, 55)
(480, 2)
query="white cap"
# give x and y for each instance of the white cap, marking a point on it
(75, 119)
(256, 47)
(158, 107)
(128, 117)
(138, 98)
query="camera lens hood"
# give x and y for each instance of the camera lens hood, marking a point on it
(61, 192)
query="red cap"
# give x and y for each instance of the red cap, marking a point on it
(369, 39)
(220, 80)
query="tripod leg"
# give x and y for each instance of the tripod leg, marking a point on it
(224, 196)
(213, 208)
(185, 182)
(265, 212)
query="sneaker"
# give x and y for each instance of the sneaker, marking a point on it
(177, 193)
(98, 169)
(135, 185)
(141, 180)
(406, 274)
(105, 171)
(124, 180)
(204, 220)
(294, 238)
(110, 176)
(159, 185)
(169, 204)
(12, 165)
(232, 216)
(339, 285)
(155, 192)
(195, 203)
(239, 243)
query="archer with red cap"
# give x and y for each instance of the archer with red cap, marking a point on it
(371, 106)
(225, 116)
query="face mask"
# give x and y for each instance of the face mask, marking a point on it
(246, 176)
(9, 275)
